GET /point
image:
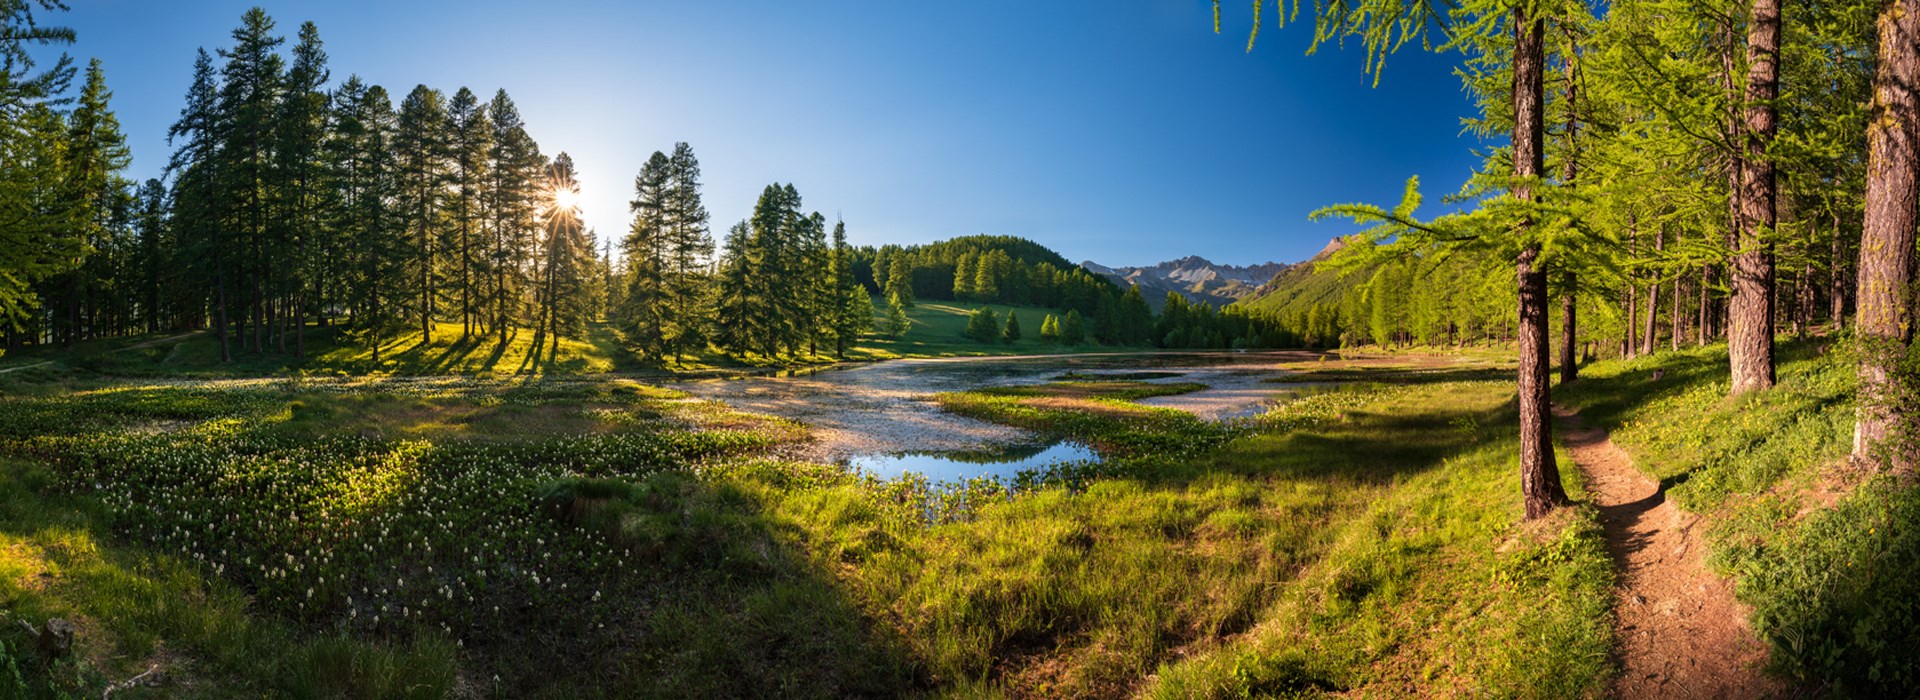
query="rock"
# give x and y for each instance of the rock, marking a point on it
(56, 639)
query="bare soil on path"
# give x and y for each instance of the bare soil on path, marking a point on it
(1679, 630)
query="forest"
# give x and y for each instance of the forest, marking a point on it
(350, 401)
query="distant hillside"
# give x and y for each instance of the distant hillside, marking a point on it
(1194, 277)
(1303, 285)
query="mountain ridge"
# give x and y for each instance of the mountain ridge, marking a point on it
(1194, 277)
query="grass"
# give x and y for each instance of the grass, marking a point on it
(135, 609)
(1326, 546)
(1826, 555)
(393, 536)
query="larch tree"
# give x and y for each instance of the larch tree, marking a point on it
(689, 247)
(1751, 313)
(646, 305)
(469, 144)
(420, 151)
(1883, 322)
(514, 172)
(1516, 31)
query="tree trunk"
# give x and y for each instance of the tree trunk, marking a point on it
(1569, 341)
(1750, 330)
(1700, 327)
(1539, 477)
(1885, 270)
(1837, 279)
(1675, 318)
(1653, 298)
(1629, 336)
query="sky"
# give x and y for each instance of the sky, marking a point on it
(1125, 133)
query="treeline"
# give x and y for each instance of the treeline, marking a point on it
(290, 203)
(984, 269)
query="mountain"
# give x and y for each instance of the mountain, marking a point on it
(1194, 277)
(1304, 285)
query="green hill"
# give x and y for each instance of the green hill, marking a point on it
(1301, 287)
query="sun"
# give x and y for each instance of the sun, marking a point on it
(565, 198)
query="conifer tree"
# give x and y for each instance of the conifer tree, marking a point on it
(646, 305)
(982, 325)
(361, 149)
(1072, 330)
(420, 150)
(963, 273)
(567, 258)
(1050, 329)
(250, 88)
(899, 284)
(469, 143)
(897, 321)
(299, 133)
(199, 211)
(1012, 332)
(852, 312)
(735, 312)
(689, 245)
(514, 166)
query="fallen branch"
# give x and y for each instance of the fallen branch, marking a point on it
(128, 683)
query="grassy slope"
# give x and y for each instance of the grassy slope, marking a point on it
(1827, 556)
(1302, 287)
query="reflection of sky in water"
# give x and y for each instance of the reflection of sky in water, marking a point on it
(956, 466)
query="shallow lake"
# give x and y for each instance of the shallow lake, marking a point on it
(883, 416)
(959, 466)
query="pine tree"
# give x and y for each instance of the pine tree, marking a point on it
(421, 150)
(852, 314)
(361, 149)
(298, 132)
(565, 298)
(1884, 319)
(735, 312)
(899, 284)
(1072, 330)
(1012, 332)
(982, 325)
(199, 210)
(646, 307)
(689, 245)
(1050, 329)
(250, 88)
(514, 164)
(469, 142)
(897, 321)
(963, 273)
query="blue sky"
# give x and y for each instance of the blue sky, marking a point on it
(1126, 133)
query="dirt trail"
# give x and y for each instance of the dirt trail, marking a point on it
(1680, 632)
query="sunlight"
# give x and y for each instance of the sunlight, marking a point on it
(565, 198)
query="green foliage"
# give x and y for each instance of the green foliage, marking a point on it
(1073, 331)
(1012, 332)
(897, 322)
(982, 326)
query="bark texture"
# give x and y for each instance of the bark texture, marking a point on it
(1539, 476)
(1885, 270)
(1750, 323)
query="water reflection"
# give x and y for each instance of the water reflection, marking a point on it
(959, 466)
